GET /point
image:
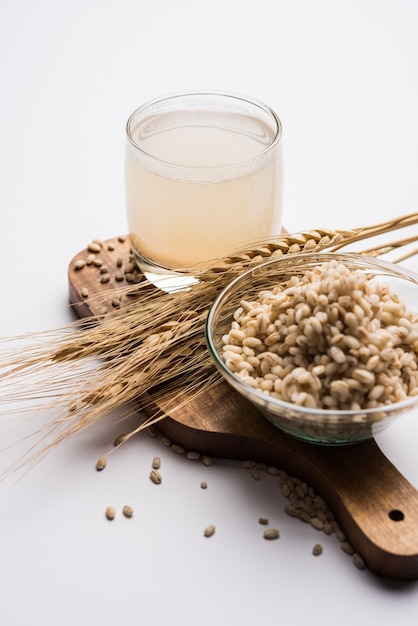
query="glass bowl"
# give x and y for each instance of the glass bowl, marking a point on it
(327, 426)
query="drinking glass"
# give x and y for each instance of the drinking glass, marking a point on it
(204, 179)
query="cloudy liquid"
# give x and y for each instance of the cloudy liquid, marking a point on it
(187, 199)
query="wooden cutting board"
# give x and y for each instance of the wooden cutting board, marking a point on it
(375, 505)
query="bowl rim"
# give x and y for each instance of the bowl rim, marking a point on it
(269, 401)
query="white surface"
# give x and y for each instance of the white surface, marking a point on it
(342, 76)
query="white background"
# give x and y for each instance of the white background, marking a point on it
(342, 76)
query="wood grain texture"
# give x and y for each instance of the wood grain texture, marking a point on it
(376, 506)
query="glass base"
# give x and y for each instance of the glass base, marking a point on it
(163, 278)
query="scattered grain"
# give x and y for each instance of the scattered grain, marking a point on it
(94, 246)
(358, 561)
(203, 484)
(156, 462)
(255, 473)
(347, 548)
(271, 533)
(166, 442)
(129, 268)
(105, 278)
(177, 448)
(79, 264)
(209, 531)
(263, 521)
(110, 512)
(155, 476)
(193, 455)
(206, 460)
(127, 511)
(85, 292)
(317, 549)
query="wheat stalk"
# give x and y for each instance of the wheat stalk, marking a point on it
(86, 370)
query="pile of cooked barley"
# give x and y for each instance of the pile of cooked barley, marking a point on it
(331, 338)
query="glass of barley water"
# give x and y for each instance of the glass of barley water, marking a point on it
(204, 179)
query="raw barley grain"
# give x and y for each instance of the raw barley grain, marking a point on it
(94, 247)
(358, 561)
(317, 550)
(156, 477)
(209, 531)
(317, 523)
(193, 455)
(127, 511)
(271, 533)
(110, 512)
(313, 341)
(347, 548)
(101, 463)
(120, 439)
(255, 473)
(156, 462)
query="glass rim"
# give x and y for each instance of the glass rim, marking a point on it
(227, 95)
